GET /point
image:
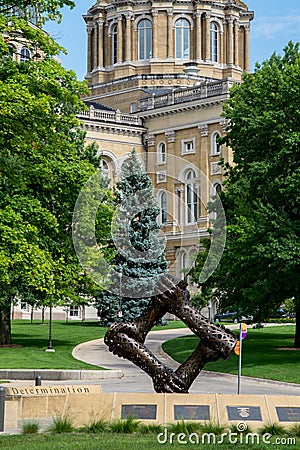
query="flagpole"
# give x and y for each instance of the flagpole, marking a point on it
(240, 361)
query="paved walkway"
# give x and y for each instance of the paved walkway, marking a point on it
(135, 380)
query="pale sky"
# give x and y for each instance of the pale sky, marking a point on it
(271, 30)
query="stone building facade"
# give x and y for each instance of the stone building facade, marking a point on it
(169, 64)
(158, 73)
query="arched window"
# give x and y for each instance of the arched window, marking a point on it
(217, 188)
(162, 203)
(215, 144)
(114, 42)
(25, 55)
(145, 39)
(161, 153)
(214, 32)
(191, 197)
(105, 167)
(182, 36)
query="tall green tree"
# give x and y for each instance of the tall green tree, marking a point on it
(43, 165)
(139, 254)
(260, 267)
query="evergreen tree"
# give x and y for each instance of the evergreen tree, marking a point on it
(139, 253)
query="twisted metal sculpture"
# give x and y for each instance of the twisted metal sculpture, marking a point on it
(127, 339)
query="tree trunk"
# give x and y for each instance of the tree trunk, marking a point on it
(43, 315)
(31, 315)
(5, 327)
(83, 313)
(297, 332)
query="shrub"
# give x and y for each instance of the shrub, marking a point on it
(183, 426)
(127, 426)
(210, 427)
(97, 426)
(146, 428)
(61, 425)
(235, 429)
(294, 430)
(274, 429)
(30, 427)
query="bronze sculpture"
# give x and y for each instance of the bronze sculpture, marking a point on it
(170, 295)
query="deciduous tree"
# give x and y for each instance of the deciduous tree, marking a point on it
(260, 267)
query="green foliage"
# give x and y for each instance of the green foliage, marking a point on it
(294, 430)
(48, 9)
(184, 426)
(126, 426)
(30, 427)
(97, 426)
(235, 429)
(139, 256)
(275, 429)
(61, 425)
(210, 427)
(260, 266)
(43, 166)
(150, 428)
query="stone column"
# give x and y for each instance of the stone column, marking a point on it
(100, 43)
(170, 52)
(224, 41)
(89, 48)
(207, 36)
(132, 37)
(105, 45)
(128, 37)
(230, 41)
(154, 34)
(198, 37)
(236, 43)
(95, 45)
(221, 59)
(247, 47)
(134, 43)
(120, 39)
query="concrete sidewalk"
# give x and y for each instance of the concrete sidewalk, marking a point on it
(135, 380)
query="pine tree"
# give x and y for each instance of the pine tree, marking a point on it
(139, 252)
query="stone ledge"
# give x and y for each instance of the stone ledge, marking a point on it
(59, 374)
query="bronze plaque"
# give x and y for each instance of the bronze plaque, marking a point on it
(139, 411)
(244, 413)
(288, 414)
(191, 412)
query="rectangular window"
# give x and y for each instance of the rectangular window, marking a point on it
(188, 146)
(74, 311)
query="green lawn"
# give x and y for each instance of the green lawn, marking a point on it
(106, 441)
(34, 337)
(262, 356)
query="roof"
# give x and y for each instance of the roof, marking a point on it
(98, 106)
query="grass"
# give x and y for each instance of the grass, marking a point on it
(30, 427)
(127, 426)
(275, 429)
(137, 441)
(33, 339)
(261, 357)
(96, 426)
(61, 425)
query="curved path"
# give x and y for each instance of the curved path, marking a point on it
(135, 380)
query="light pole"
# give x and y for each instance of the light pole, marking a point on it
(50, 348)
